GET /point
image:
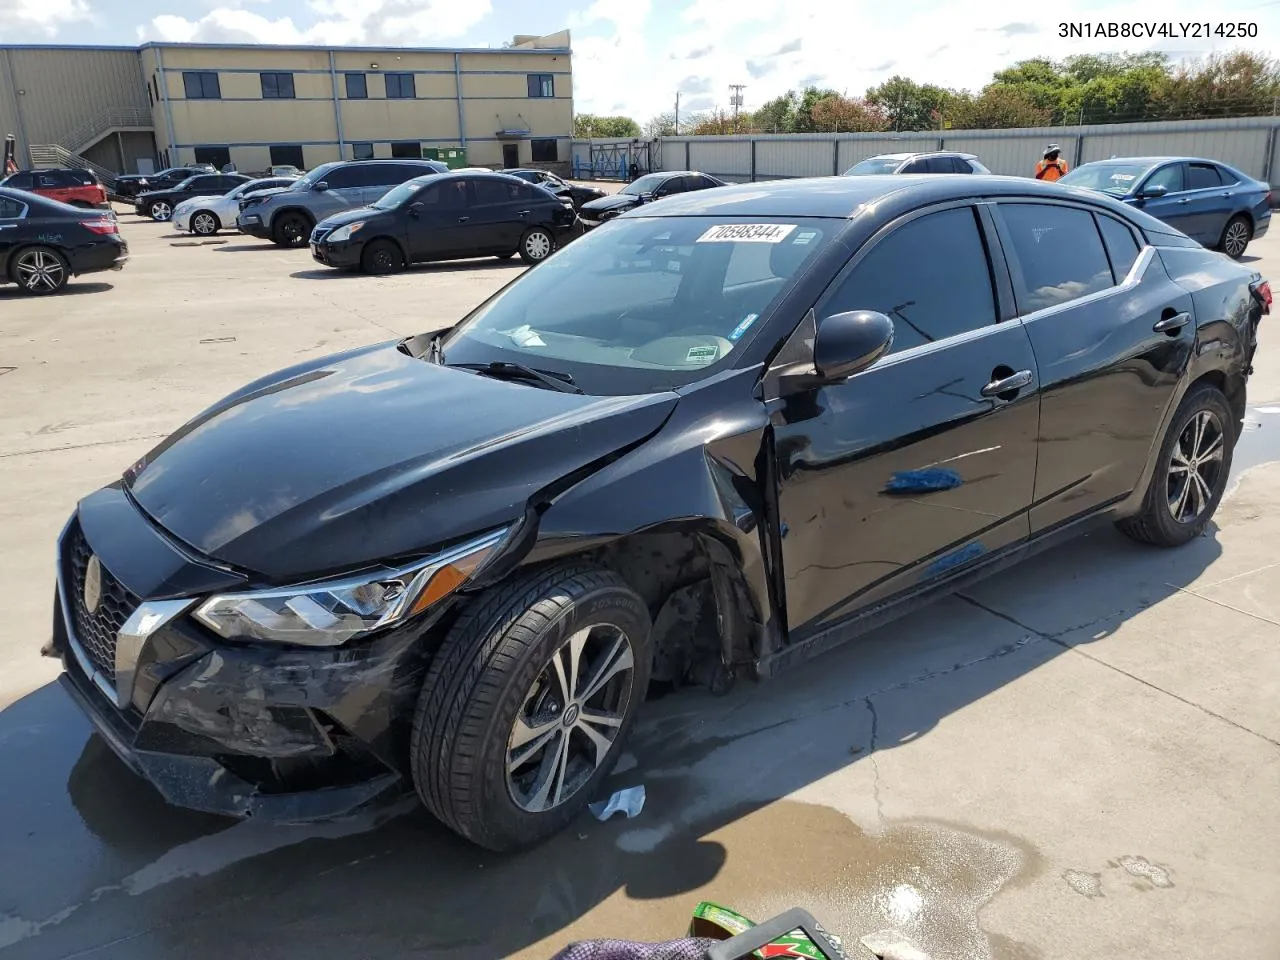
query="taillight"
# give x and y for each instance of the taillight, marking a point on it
(1261, 289)
(109, 226)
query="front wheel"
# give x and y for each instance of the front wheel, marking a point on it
(160, 210)
(536, 246)
(528, 702)
(291, 230)
(1235, 237)
(1191, 472)
(381, 257)
(40, 271)
(204, 223)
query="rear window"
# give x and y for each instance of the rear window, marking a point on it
(1121, 247)
(1059, 253)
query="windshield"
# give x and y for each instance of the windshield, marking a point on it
(645, 305)
(398, 196)
(314, 177)
(1117, 179)
(874, 165)
(646, 184)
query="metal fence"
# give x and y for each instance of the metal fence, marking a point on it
(1247, 143)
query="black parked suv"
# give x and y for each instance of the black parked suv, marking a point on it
(288, 218)
(159, 204)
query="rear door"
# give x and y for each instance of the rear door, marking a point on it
(57, 185)
(914, 468)
(12, 213)
(1211, 203)
(500, 214)
(1096, 307)
(345, 191)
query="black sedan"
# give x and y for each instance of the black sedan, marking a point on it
(576, 193)
(159, 204)
(445, 216)
(650, 187)
(129, 185)
(799, 408)
(44, 243)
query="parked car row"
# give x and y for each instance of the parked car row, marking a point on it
(45, 242)
(1213, 203)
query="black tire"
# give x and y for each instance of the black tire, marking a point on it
(39, 271)
(160, 211)
(1236, 236)
(536, 245)
(1157, 524)
(505, 256)
(291, 230)
(381, 257)
(205, 223)
(485, 676)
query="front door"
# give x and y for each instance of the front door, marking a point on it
(510, 156)
(442, 225)
(915, 467)
(1091, 301)
(1175, 207)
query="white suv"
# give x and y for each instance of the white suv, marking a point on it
(205, 216)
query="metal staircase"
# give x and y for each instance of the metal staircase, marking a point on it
(81, 138)
(48, 155)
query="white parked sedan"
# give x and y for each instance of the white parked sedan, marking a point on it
(205, 216)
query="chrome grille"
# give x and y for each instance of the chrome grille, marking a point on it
(96, 632)
(319, 233)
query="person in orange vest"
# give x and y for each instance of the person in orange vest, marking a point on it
(1052, 167)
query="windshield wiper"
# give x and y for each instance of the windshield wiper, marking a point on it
(518, 371)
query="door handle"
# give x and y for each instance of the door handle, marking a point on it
(522, 213)
(463, 219)
(1170, 324)
(1007, 384)
(1185, 200)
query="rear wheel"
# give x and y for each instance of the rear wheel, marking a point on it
(160, 210)
(528, 702)
(291, 230)
(1191, 472)
(381, 257)
(205, 223)
(40, 271)
(1235, 237)
(536, 245)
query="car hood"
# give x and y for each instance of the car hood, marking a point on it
(367, 456)
(351, 216)
(617, 202)
(192, 201)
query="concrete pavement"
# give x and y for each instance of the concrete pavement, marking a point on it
(1080, 758)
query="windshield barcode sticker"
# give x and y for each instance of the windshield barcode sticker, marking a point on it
(747, 233)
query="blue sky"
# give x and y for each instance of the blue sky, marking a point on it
(632, 56)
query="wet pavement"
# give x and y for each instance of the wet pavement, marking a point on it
(1079, 758)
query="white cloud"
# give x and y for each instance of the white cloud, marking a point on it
(372, 22)
(849, 46)
(40, 17)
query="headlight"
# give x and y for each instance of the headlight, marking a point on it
(345, 232)
(331, 612)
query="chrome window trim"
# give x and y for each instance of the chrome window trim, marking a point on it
(1135, 276)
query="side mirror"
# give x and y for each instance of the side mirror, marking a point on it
(416, 208)
(322, 186)
(848, 343)
(1154, 191)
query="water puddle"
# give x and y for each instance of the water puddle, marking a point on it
(1259, 442)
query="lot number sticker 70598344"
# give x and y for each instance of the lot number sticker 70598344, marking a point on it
(747, 233)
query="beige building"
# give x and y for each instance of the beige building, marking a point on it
(256, 105)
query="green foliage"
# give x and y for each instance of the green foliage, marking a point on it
(586, 125)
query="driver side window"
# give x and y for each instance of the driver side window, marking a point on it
(674, 185)
(930, 276)
(1169, 177)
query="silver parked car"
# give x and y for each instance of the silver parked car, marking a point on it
(940, 161)
(287, 218)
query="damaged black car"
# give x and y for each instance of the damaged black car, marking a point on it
(738, 427)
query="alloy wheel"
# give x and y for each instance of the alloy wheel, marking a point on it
(537, 245)
(570, 718)
(203, 224)
(382, 261)
(1195, 466)
(161, 211)
(1237, 238)
(39, 270)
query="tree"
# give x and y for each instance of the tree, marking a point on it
(809, 98)
(586, 125)
(717, 123)
(910, 106)
(663, 125)
(847, 115)
(777, 115)
(997, 108)
(1238, 84)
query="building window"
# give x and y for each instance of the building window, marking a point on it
(201, 85)
(277, 86)
(362, 151)
(407, 150)
(400, 86)
(155, 89)
(545, 151)
(542, 85)
(357, 87)
(218, 156)
(287, 156)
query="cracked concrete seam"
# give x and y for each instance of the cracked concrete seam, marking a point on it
(81, 446)
(1072, 648)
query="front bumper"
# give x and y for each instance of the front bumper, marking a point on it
(240, 730)
(181, 220)
(253, 226)
(343, 255)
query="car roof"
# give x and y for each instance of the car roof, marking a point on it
(923, 153)
(848, 197)
(1116, 160)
